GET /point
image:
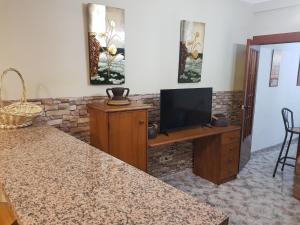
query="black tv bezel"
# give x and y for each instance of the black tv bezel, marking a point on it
(184, 127)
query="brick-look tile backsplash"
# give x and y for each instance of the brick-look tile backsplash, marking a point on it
(226, 102)
(70, 115)
(169, 159)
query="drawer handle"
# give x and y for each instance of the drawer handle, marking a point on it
(141, 122)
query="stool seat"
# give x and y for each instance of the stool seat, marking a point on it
(295, 130)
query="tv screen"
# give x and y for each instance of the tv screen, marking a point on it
(181, 108)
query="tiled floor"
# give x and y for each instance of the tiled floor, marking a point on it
(254, 198)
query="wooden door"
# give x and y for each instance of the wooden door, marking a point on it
(252, 58)
(128, 137)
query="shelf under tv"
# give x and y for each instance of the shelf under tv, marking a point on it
(189, 134)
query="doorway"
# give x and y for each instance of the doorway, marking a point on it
(248, 108)
(268, 129)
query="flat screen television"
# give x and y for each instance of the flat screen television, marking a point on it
(182, 108)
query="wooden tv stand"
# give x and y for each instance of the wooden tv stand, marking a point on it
(122, 132)
(216, 150)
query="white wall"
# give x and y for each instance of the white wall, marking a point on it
(269, 20)
(268, 129)
(47, 41)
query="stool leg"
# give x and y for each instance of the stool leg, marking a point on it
(287, 151)
(282, 147)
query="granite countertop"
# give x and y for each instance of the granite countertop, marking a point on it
(50, 177)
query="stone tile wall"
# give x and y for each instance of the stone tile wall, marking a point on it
(70, 115)
(226, 102)
(170, 159)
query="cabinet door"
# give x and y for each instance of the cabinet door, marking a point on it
(128, 137)
(99, 129)
(7, 216)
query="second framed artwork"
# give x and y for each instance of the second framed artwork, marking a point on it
(298, 78)
(275, 68)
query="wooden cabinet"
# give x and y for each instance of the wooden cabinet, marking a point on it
(217, 158)
(121, 131)
(7, 216)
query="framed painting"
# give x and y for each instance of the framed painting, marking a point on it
(191, 51)
(275, 68)
(106, 35)
(298, 77)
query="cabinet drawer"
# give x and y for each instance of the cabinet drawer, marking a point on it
(228, 172)
(229, 160)
(229, 169)
(230, 137)
(230, 150)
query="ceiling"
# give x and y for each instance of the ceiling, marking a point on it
(256, 1)
(269, 5)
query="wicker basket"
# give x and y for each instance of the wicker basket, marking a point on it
(19, 114)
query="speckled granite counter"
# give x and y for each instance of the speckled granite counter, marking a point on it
(53, 178)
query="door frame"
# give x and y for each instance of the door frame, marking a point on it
(280, 38)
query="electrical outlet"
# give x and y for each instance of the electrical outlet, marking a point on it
(164, 159)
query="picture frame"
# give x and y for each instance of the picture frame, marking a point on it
(275, 68)
(106, 35)
(298, 77)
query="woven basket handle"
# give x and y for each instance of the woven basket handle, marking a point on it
(23, 98)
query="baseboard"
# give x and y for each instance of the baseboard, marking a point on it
(273, 147)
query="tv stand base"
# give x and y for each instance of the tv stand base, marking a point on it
(216, 150)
